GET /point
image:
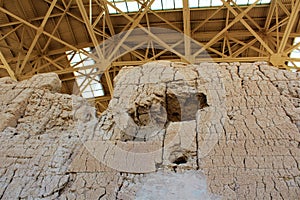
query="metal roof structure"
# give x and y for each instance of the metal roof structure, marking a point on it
(71, 37)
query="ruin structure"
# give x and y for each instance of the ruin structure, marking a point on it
(218, 131)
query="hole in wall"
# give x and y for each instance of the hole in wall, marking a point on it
(202, 100)
(179, 108)
(141, 116)
(173, 108)
(180, 160)
(184, 107)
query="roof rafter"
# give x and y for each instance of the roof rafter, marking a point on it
(7, 67)
(39, 31)
(255, 34)
(291, 22)
(218, 36)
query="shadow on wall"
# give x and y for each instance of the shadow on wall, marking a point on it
(174, 105)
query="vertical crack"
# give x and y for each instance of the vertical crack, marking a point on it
(11, 179)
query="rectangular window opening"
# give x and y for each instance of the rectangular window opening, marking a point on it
(90, 87)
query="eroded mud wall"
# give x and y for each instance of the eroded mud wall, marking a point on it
(235, 126)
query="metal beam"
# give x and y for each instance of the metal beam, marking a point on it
(48, 64)
(186, 28)
(270, 14)
(57, 25)
(39, 31)
(108, 19)
(291, 22)
(246, 46)
(279, 2)
(278, 25)
(90, 29)
(255, 34)
(111, 28)
(168, 22)
(73, 16)
(225, 39)
(30, 20)
(251, 47)
(52, 62)
(207, 19)
(134, 24)
(7, 67)
(289, 50)
(47, 34)
(218, 36)
(11, 31)
(153, 36)
(247, 16)
(106, 61)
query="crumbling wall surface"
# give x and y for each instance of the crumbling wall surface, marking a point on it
(207, 131)
(238, 123)
(38, 143)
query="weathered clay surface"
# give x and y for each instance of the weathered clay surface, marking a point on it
(231, 128)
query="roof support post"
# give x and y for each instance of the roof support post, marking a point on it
(187, 29)
(7, 67)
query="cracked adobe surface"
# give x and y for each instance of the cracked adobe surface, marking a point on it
(236, 124)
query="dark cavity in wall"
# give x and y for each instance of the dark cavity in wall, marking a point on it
(182, 107)
(173, 108)
(141, 115)
(180, 160)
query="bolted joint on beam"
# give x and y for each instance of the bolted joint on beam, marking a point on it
(277, 59)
